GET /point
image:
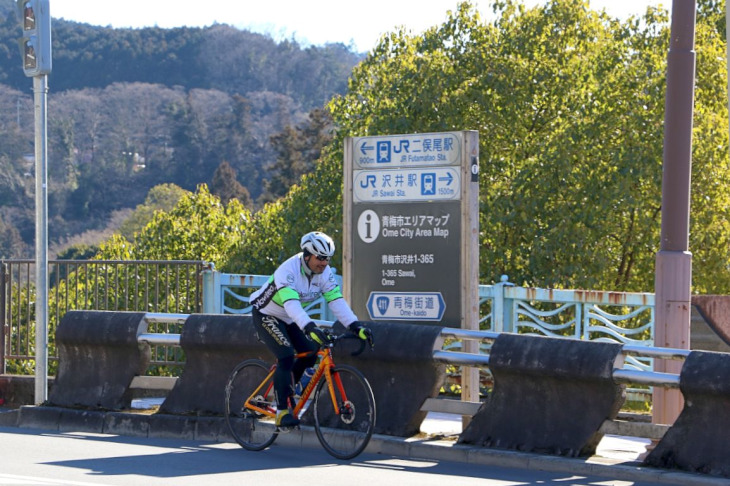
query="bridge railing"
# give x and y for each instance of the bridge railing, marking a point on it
(622, 317)
(195, 286)
(481, 361)
(225, 293)
(627, 318)
(169, 286)
(590, 315)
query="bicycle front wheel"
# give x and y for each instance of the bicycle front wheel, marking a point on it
(251, 428)
(346, 433)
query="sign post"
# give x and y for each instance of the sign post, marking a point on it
(411, 246)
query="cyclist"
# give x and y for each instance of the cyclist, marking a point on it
(284, 326)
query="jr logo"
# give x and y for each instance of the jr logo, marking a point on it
(368, 182)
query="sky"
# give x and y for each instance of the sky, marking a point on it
(357, 23)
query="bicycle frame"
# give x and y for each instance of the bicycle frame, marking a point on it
(352, 416)
(324, 369)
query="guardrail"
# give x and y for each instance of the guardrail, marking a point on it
(623, 376)
(620, 376)
(481, 360)
(550, 395)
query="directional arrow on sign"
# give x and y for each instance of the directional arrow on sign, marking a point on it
(366, 147)
(448, 178)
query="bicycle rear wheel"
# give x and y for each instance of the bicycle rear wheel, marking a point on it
(253, 430)
(344, 435)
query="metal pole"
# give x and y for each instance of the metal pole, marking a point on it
(40, 94)
(3, 315)
(673, 277)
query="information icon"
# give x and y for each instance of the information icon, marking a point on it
(368, 226)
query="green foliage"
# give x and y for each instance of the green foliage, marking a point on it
(21, 335)
(275, 231)
(163, 197)
(569, 104)
(710, 203)
(199, 227)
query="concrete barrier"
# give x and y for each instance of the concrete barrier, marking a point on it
(401, 372)
(400, 369)
(699, 440)
(550, 395)
(98, 357)
(214, 344)
(711, 332)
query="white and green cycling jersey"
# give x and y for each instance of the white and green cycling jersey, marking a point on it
(293, 286)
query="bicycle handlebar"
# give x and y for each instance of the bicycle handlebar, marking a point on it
(333, 338)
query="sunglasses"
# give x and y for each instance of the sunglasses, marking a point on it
(322, 258)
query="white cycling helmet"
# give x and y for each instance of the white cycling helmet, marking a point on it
(318, 244)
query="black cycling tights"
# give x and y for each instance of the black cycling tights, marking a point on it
(284, 340)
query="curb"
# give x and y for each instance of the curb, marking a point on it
(215, 429)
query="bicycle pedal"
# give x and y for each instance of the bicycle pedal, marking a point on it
(286, 430)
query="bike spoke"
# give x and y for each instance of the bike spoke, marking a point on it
(251, 428)
(346, 430)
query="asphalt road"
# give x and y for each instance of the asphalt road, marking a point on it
(34, 457)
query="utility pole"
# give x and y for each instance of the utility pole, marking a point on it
(35, 50)
(673, 279)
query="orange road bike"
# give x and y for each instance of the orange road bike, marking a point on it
(338, 399)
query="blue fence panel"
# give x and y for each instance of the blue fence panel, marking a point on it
(622, 317)
(225, 293)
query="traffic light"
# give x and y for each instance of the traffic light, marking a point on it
(35, 45)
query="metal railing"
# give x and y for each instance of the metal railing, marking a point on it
(481, 360)
(627, 318)
(620, 375)
(193, 286)
(622, 317)
(142, 286)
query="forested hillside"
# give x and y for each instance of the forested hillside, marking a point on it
(568, 102)
(218, 57)
(130, 109)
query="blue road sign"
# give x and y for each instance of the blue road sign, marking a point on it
(406, 306)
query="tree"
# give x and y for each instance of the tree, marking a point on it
(298, 149)
(226, 187)
(569, 105)
(163, 197)
(199, 227)
(133, 108)
(11, 244)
